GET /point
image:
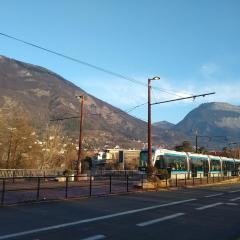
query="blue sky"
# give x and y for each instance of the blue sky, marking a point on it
(192, 45)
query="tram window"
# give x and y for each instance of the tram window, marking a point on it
(160, 163)
(175, 162)
(228, 166)
(215, 165)
(199, 164)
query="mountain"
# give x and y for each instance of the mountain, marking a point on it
(46, 96)
(218, 120)
(165, 125)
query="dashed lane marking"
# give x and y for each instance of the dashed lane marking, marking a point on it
(234, 191)
(213, 195)
(231, 204)
(234, 199)
(96, 237)
(44, 229)
(209, 206)
(143, 224)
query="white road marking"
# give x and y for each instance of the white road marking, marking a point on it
(234, 191)
(37, 230)
(143, 224)
(234, 199)
(96, 237)
(209, 206)
(214, 195)
(231, 204)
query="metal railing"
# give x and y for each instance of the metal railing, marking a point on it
(7, 173)
(42, 188)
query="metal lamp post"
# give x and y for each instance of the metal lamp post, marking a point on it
(150, 162)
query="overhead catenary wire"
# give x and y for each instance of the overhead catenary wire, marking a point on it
(167, 101)
(86, 64)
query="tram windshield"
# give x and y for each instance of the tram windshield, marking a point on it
(144, 158)
(175, 162)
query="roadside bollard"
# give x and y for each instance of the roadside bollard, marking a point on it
(166, 181)
(127, 183)
(38, 188)
(142, 181)
(13, 180)
(110, 184)
(66, 188)
(185, 179)
(3, 191)
(200, 178)
(176, 181)
(90, 185)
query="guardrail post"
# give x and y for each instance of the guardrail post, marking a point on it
(127, 182)
(193, 180)
(66, 187)
(3, 191)
(142, 180)
(185, 179)
(38, 188)
(110, 183)
(176, 181)
(90, 186)
(200, 178)
(207, 177)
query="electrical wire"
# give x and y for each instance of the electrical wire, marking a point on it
(87, 64)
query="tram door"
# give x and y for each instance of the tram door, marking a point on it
(205, 168)
(194, 169)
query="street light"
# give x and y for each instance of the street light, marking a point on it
(150, 163)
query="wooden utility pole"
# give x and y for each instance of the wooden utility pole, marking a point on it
(79, 163)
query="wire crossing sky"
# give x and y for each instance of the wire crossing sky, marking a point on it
(192, 45)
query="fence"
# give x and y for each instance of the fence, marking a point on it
(29, 189)
(7, 173)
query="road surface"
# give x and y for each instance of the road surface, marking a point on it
(196, 213)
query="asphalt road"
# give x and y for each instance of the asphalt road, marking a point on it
(197, 213)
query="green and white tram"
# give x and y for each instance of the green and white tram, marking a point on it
(189, 165)
(174, 163)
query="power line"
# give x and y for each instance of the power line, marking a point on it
(133, 108)
(86, 63)
(178, 99)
